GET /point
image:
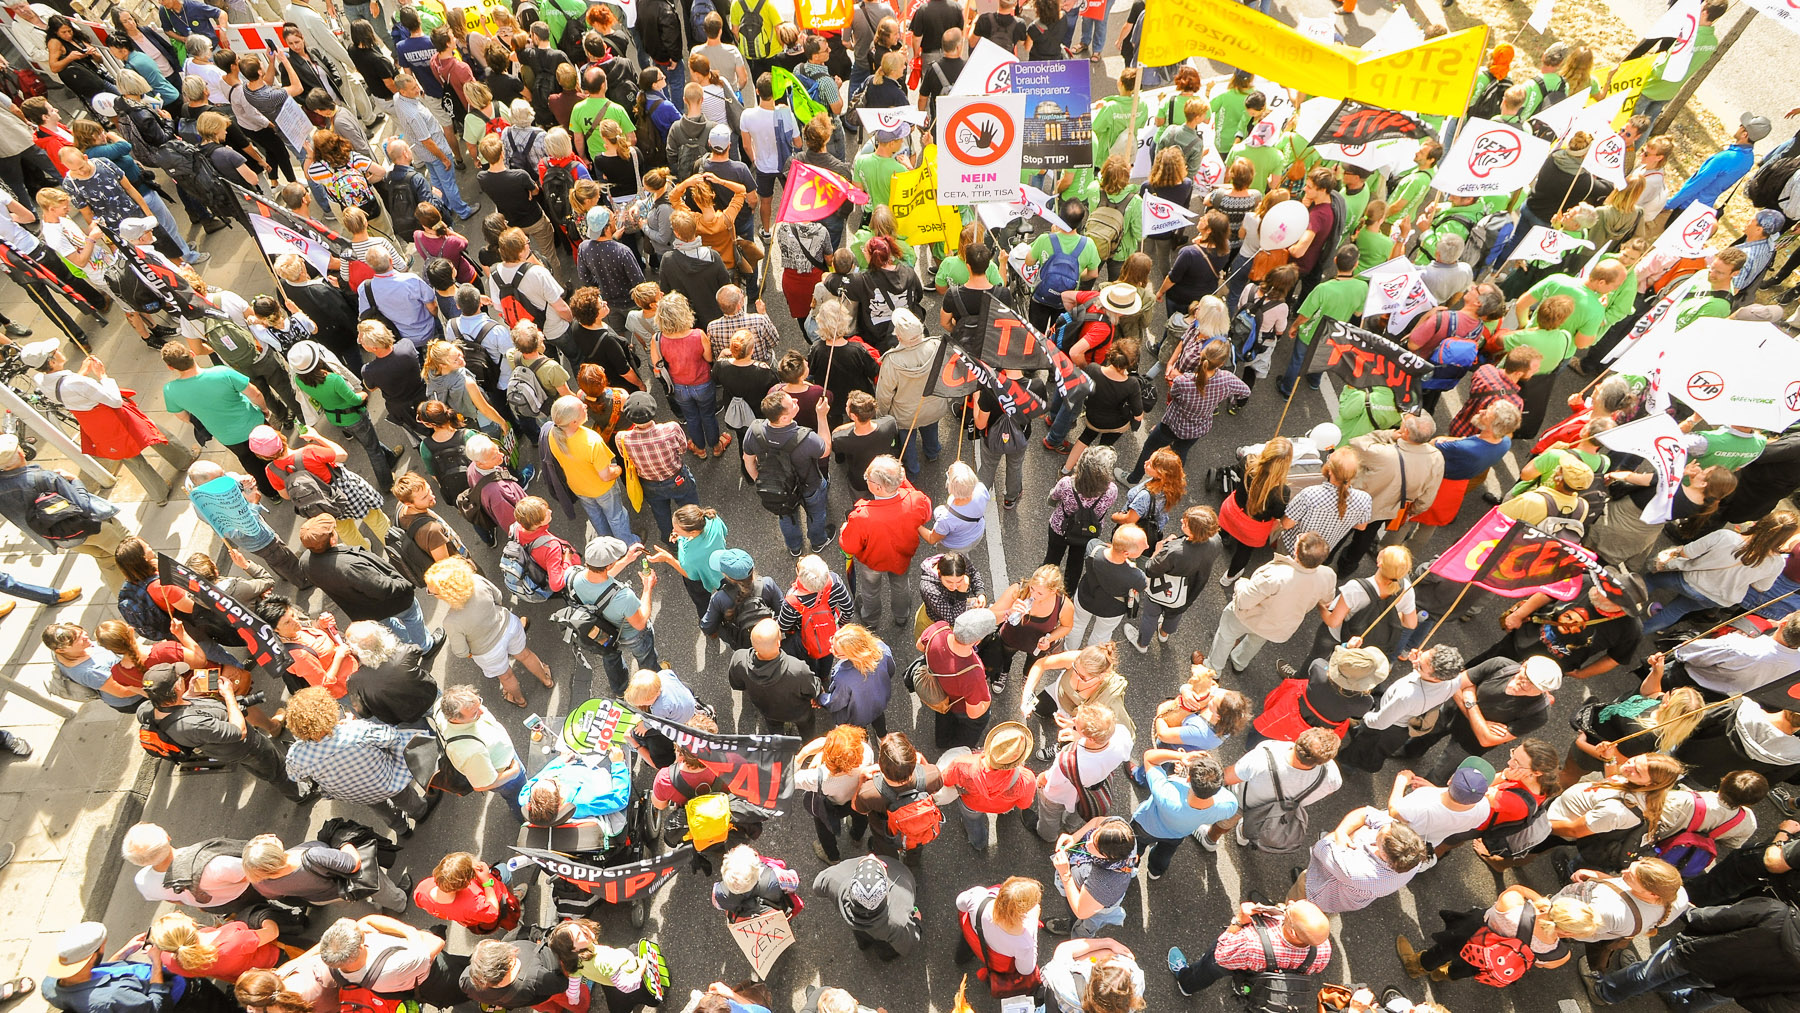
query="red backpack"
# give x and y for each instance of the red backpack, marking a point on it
(913, 817)
(818, 623)
(1693, 851)
(1500, 959)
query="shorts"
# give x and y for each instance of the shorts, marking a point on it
(765, 182)
(498, 662)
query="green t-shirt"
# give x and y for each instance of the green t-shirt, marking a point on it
(1339, 299)
(1356, 203)
(342, 406)
(1089, 257)
(875, 174)
(1547, 462)
(1228, 118)
(1364, 411)
(1661, 89)
(1534, 94)
(1589, 317)
(1268, 160)
(1557, 346)
(859, 246)
(1374, 247)
(215, 396)
(1450, 221)
(954, 271)
(1404, 196)
(1729, 449)
(1619, 301)
(1112, 121)
(584, 121)
(1705, 304)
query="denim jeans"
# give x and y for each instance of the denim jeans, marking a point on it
(607, 513)
(1296, 359)
(12, 585)
(1158, 438)
(642, 652)
(1659, 972)
(444, 178)
(976, 824)
(1154, 615)
(661, 497)
(166, 218)
(928, 435)
(1159, 852)
(1675, 609)
(360, 12)
(1092, 32)
(1065, 411)
(814, 506)
(410, 626)
(509, 792)
(699, 412)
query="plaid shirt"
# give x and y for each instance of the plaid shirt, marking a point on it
(760, 328)
(360, 761)
(656, 451)
(1190, 414)
(1487, 385)
(1241, 950)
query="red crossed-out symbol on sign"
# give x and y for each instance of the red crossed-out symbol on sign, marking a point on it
(1160, 211)
(1698, 230)
(1792, 397)
(979, 133)
(1493, 150)
(1705, 385)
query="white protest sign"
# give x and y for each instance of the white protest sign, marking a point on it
(981, 147)
(1547, 246)
(1162, 216)
(1606, 158)
(890, 117)
(989, 70)
(1491, 158)
(1399, 291)
(1681, 23)
(1539, 21)
(1782, 11)
(277, 239)
(1688, 234)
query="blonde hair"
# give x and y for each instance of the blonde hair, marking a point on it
(1015, 899)
(1676, 718)
(1573, 918)
(740, 869)
(176, 933)
(312, 714)
(1660, 878)
(437, 357)
(644, 688)
(264, 856)
(452, 581)
(674, 316)
(1394, 562)
(1269, 473)
(855, 644)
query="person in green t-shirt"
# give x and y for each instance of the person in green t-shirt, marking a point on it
(341, 405)
(1715, 301)
(1549, 80)
(584, 119)
(1373, 244)
(954, 270)
(1258, 148)
(1114, 121)
(1547, 334)
(1457, 217)
(1619, 301)
(1662, 87)
(1540, 471)
(1364, 411)
(1115, 190)
(1406, 197)
(1341, 298)
(221, 399)
(1729, 447)
(1065, 242)
(1356, 190)
(875, 170)
(1587, 321)
(1228, 115)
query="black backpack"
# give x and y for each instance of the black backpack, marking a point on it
(586, 626)
(1487, 105)
(478, 360)
(142, 614)
(777, 478)
(402, 202)
(404, 552)
(737, 624)
(189, 863)
(653, 148)
(1279, 989)
(194, 171)
(55, 517)
(621, 82)
(309, 495)
(1764, 188)
(1084, 522)
(750, 30)
(558, 181)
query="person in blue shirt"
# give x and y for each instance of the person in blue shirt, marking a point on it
(182, 18)
(415, 51)
(572, 787)
(85, 982)
(231, 505)
(1180, 803)
(136, 59)
(1722, 171)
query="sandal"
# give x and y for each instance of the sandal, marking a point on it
(697, 450)
(17, 988)
(516, 701)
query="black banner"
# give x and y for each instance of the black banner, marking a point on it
(1782, 694)
(759, 768)
(252, 203)
(1365, 360)
(1006, 341)
(1527, 560)
(617, 884)
(952, 373)
(27, 271)
(1352, 122)
(266, 649)
(172, 290)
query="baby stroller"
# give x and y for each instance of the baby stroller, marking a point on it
(595, 841)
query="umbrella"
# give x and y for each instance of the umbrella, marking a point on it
(1735, 373)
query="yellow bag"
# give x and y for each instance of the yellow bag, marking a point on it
(634, 487)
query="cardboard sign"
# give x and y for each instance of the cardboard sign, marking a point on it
(981, 147)
(763, 939)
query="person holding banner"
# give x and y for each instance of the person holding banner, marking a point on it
(1622, 536)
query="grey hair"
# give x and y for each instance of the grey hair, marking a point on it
(480, 447)
(457, 701)
(193, 88)
(132, 84)
(1504, 417)
(202, 472)
(145, 844)
(1446, 663)
(1418, 428)
(520, 113)
(1094, 471)
(490, 962)
(812, 574)
(960, 480)
(1613, 393)
(557, 143)
(340, 943)
(833, 319)
(731, 298)
(378, 260)
(199, 48)
(372, 643)
(405, 80)
(565, 411)
(1449, 249)
(884, 475)
(836, 1000)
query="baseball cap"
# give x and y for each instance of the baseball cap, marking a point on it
(639, 408)
(1467, 786)
(266, 442)
(75, 946)
(105, 103)
(1757, 127)
(1477, 763)
(603, 551)
(160, 680)
(973, 625)
(133, 229)
(38, 353)
(891, 134)
(1575, 473)
(719, 138)
(1771, 220)
(9, 448)
(304, 356)
(733, 563)
(869, 886)
(1544, 673)
(598, 218)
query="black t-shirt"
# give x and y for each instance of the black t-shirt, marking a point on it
(1328, 701)
(1520, 714)
(1105, 585)
(227, 162)
(846, 368)
(539, 979)
(1004, 30)
(966, 307)
(931, 85)
(374, 68)
(505, 87)
(884, 95)
(878, 293)
(931, 22)
(1616, 638)
(510, 190)
(396, 375)
(750, 382)
(1193, 276)
(1113, 403)
(855, 452)
(613, 354)
(1046, 41)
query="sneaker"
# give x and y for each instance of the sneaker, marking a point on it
(997, 685)
(1590, 983)
(1388, 995)
(1178, 963)
(1058, 926)
(1206, 839)
(1285, 670)
(15, 745)
(819, 849)
(1784, 799)
(830, 534)
(1162, 636)
(1155, 875)
(1056, 448)
(18, 331)
(1226, 580)
(196, 259)
(1131, 637)
(527, 472)
(1243, 839)
(1009, 504)
(796, 553)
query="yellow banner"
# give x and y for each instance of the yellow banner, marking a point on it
(1433, 77)
(913, 199)
(1630, 78)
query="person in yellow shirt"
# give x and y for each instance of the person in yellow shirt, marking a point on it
(588, 468)
(1557, 507)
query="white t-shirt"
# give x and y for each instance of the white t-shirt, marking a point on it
(715, 107)
(1259, 768)
(1355, 594)
(1427, 812)
(406, 965)
(1410, 696)
(1602, 806)
(1091, 766)
(216, 92)
(758, 125)
(540, 287)
(1614, 908)
(12, 232)
(223, 880)
(1022, 947)
(1678, 813)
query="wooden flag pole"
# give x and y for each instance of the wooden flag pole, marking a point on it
(1382, 615)
(1733, 698)
(1289, 403)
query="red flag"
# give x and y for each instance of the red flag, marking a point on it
(813, 194)
(1515, 560)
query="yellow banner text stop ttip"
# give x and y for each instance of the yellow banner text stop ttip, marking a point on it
(1433, 77)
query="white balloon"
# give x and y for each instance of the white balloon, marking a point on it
(1283, 225)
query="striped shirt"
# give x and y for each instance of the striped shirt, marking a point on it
(360, 761)
(1316, 509)
(1341, 879)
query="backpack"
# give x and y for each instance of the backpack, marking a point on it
(557, 180)
(525, 392)
(737, 624)
(518, 158)
(1571, 525)
(778, 478)
(999, 970)
(1454, 356)
(309, 495)
(194, 172)
(232, 342)
(1246, 326)
(187, 864)
(1764, 188)
(1551, 96)
(652, 145)
(1060, 272)
(1487, 104)
(1693, 851)
(750, 27)
(468, 502)
(621, 83)
(142, 614)
(401, 199)
(1072, 322)
(1515, 839)
(1280, 827)
(913, 816)
(818, 623)
(514, 306)
(1279, 989)
(59, 520)
(404, 552)
(1487, 235)
(477, 359)
(489, 124)
(586, 626)
(1501, 959)
(708, 819)
(1106, 225)
(523, 574)
(153, 740)
(1084, 522)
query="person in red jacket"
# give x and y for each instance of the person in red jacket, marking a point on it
(992, 779)
(882, 534)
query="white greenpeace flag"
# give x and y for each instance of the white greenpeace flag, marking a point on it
(1547, 246)
(1397, 289)
(1786, 14)
(1491, 158)
(1399, 31)
(888, 118)
(1146, 153)
(277, 239)
(1540, 16)
(1681, 23)
(1658, 440)
(1688, 234)
(1606, 158)
(1029, 201)
(1211, 171)
(989, 70)
(1162, 216)
(1561, 116)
